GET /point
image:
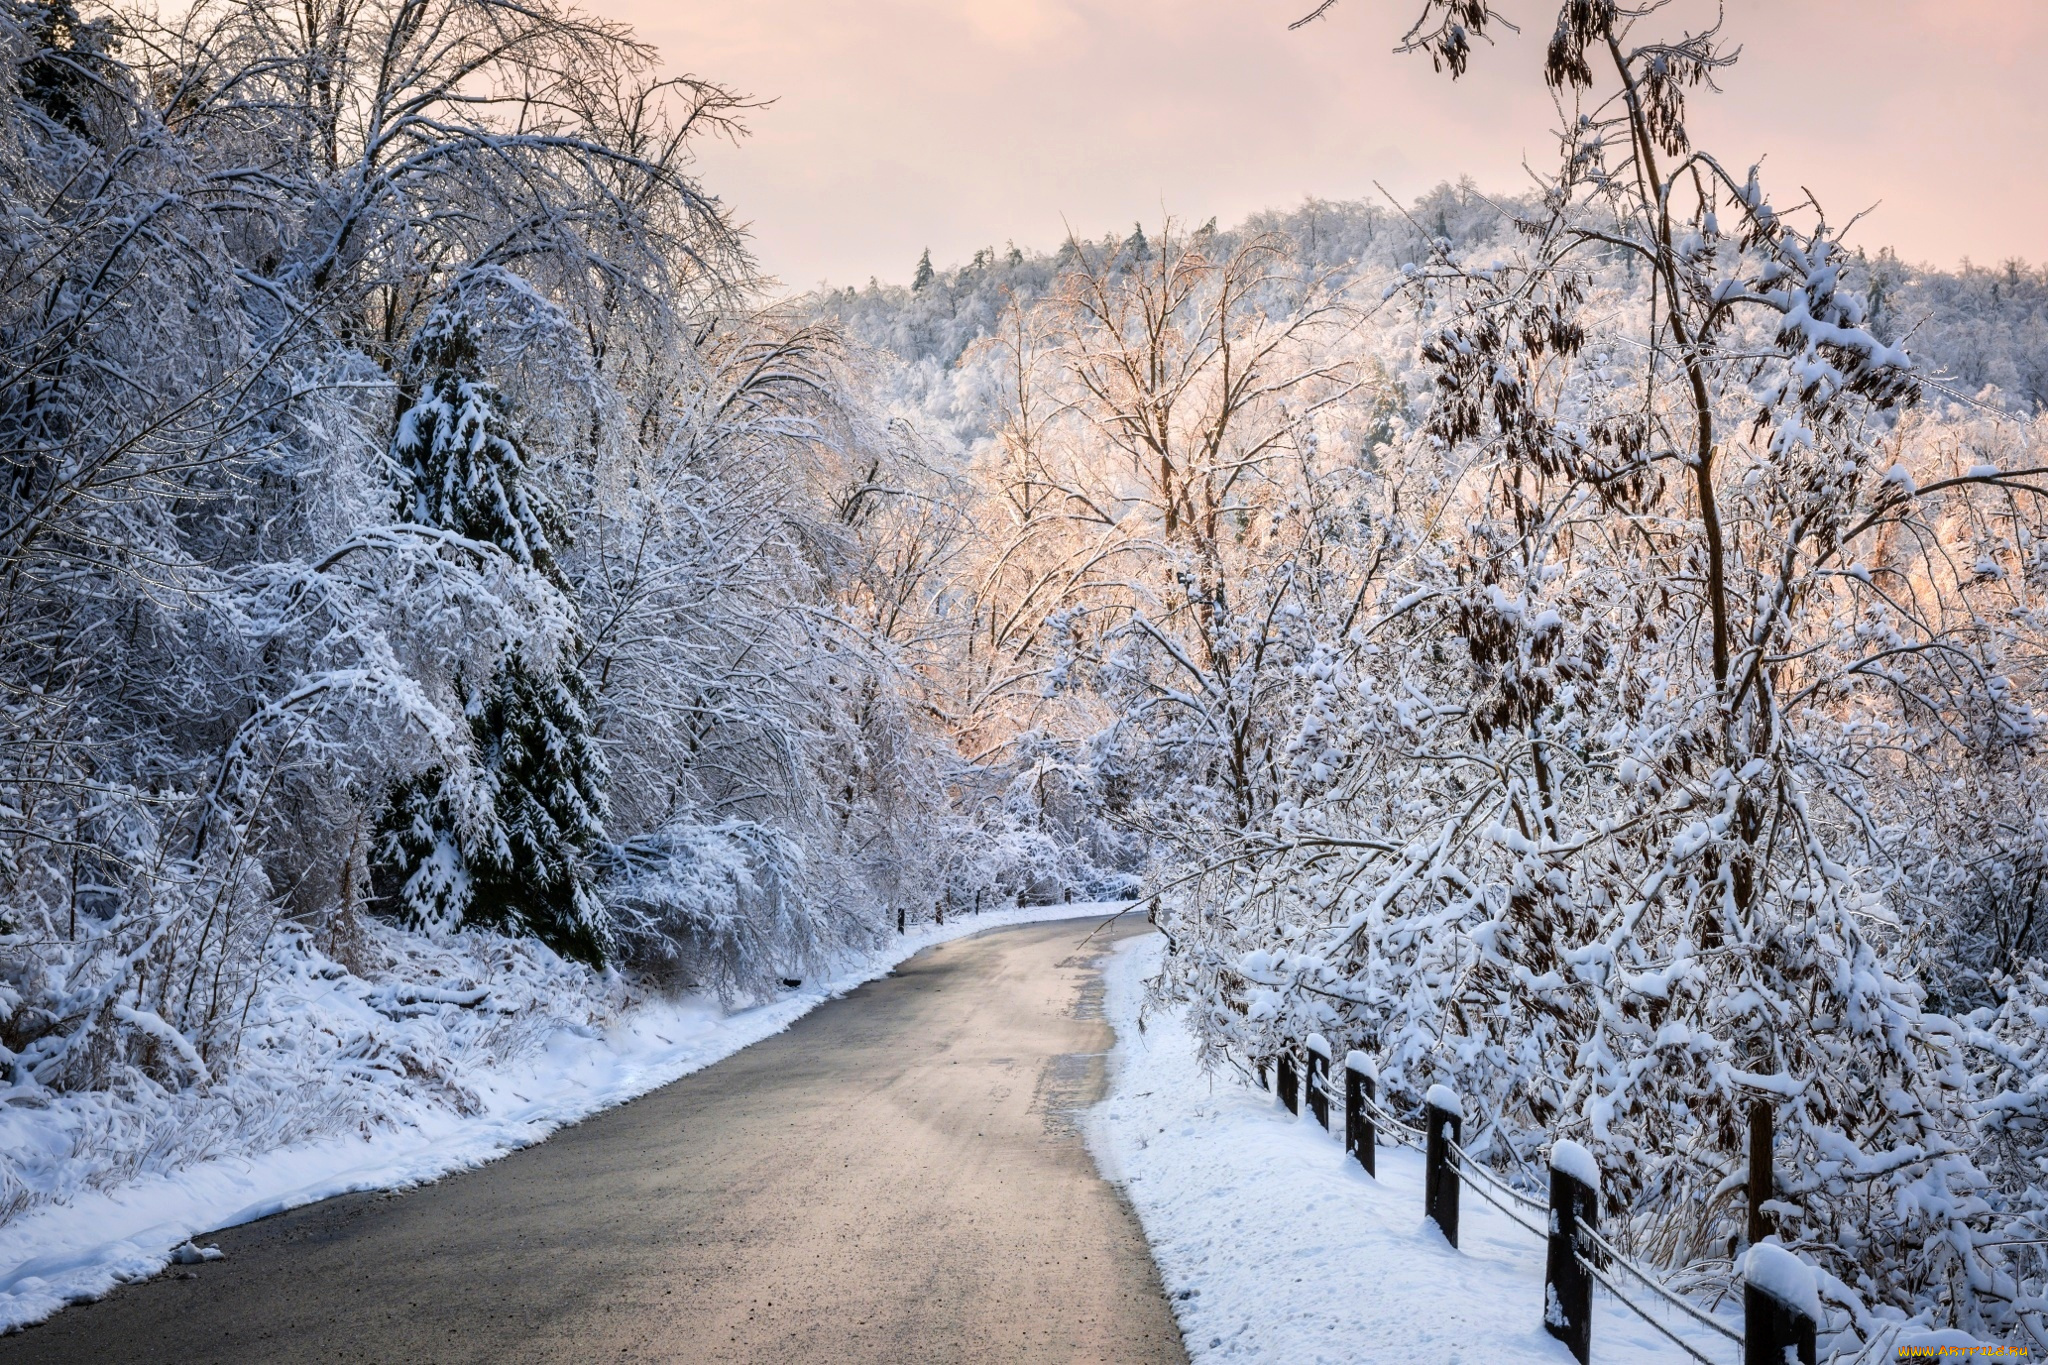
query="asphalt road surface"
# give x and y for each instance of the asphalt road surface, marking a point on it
(898, 1178)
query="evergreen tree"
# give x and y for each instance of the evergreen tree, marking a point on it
(420, 864)
(460, 469)
(71, 58)
(925, 273)
(532, 732)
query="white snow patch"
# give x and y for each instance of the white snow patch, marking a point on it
(1784, 1277)
(1576, 1162)
(1273, 1245)
(96, 1239)
(191, 1253)
(1444, 1098)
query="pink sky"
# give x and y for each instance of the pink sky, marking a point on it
(957, 124)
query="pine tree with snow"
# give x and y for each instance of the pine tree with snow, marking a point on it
(925, 274)
(520, 867)
(459, 467)
(420, 855)
(532, 732)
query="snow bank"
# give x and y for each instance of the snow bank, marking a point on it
(497, 1091)
(1274, 1246)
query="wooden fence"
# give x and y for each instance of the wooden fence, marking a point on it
(1780, 1303)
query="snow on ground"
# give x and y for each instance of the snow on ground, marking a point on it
(1275, 1246)
(449, 1087)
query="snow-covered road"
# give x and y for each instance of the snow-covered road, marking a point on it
(897, 1177)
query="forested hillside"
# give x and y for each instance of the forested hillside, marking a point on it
(1580, 648)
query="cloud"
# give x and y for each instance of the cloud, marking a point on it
(1015, 24)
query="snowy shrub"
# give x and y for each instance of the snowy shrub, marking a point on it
(718, 906)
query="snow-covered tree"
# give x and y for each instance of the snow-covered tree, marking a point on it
(518, 859)
(546, 776)
(458, 465)
(68, 53)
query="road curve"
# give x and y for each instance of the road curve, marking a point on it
(896, 1178)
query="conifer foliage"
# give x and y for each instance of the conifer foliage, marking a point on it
(514, 860)
(532, 733)
(459, 467)
(56, 81)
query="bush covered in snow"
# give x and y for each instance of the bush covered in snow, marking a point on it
(1684, 721)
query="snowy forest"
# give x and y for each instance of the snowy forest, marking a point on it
(1577, 645)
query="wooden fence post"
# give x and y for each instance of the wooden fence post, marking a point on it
(1443, 1117)
(1319, 1079)
(1760, 1178)
(899, 919)
(1360, 1081)
(1289, 1073)
(1567, 1288)
(1780, 1307)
